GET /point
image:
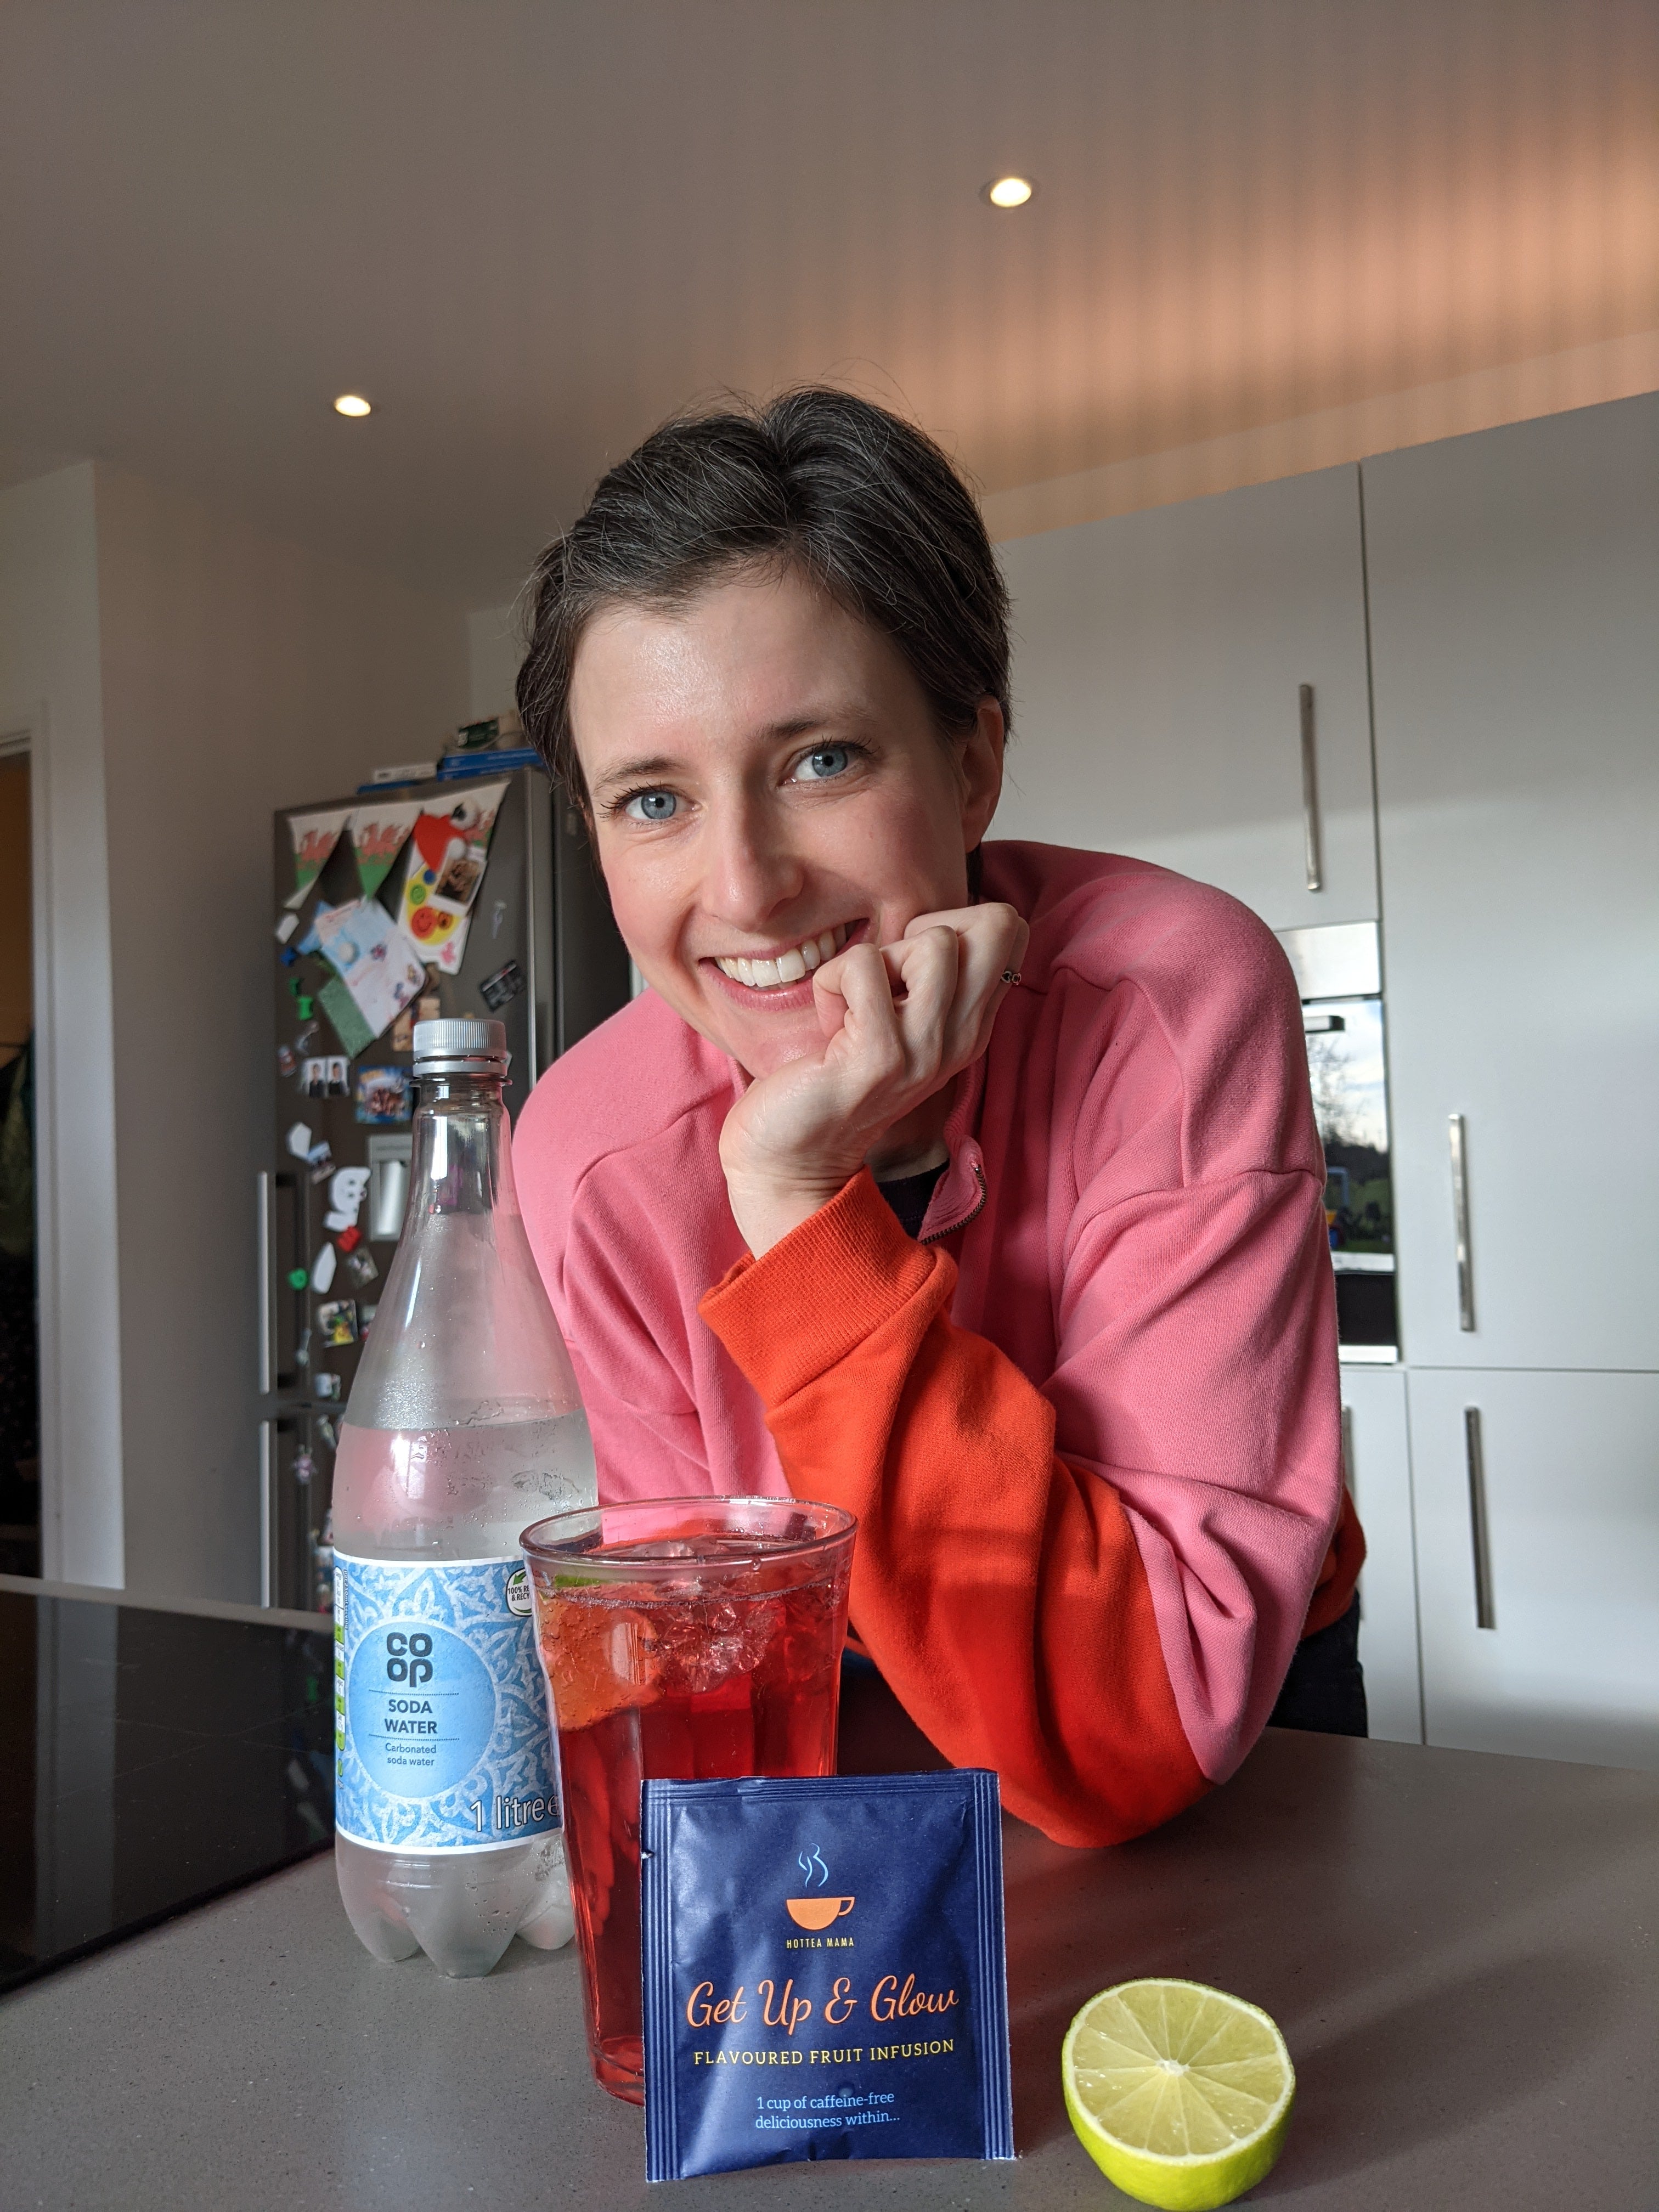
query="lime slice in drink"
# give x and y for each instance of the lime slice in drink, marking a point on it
(1180, 2094)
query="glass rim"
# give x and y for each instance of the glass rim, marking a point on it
(538, 1545)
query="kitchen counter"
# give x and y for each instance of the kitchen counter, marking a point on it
(1460, 1949)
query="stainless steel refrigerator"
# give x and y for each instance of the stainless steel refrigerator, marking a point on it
(538, 950)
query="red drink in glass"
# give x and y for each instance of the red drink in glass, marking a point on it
(688, 1638)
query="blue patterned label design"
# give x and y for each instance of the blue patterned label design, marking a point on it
(441, 1741)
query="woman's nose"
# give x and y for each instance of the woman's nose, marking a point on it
(752, 869)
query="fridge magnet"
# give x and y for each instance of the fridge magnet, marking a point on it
(379, 832)
(310, 942)
(322, 1270)
(354, 1032)
(326, 1386)
(320, 1076)
(286, 1060)
(300, 1140)
(447, 854)
(304, 1467)
(289, 956)
(365, 1319)
(336, 1321)
(402, 1038)
(385, 1095)
(501, 989)
(328, 1430)
(315, 837)
(306, 1038)
(302, 1349)
(360, 1270)
(349, 1239)
(286, 927)
(374, 963)
(346, 1194)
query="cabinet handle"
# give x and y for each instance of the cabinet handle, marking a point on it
(1310, 794)
(1460, 1173)
(1484, 1616)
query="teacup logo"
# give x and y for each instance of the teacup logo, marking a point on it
(815, 1912)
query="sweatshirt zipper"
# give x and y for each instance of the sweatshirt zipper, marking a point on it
(951, 1227)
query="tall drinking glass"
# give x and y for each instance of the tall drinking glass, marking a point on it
(687, 1638)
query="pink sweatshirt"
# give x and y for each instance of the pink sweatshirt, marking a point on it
(1109, 1367)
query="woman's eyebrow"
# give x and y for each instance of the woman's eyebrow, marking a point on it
(632, 771)
(792, 727)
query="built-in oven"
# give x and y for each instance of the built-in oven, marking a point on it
(1340, 978)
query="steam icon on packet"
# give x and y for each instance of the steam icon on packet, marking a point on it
(824, 1971)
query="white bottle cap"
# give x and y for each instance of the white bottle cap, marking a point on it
(455, 1047)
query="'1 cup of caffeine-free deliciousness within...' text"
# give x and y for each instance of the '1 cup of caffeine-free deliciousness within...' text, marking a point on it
(685, 1639)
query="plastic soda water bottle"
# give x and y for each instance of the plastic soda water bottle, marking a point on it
(464, 1426)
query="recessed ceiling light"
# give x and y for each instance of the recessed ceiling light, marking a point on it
(1009, 191)
(352, 402)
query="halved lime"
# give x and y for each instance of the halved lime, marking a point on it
(1180, 2094)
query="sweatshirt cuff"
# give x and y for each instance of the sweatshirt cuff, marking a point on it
(796, 1312)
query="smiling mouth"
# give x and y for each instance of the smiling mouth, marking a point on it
(790, 967)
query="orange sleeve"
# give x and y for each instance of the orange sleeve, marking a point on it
(999, 1590)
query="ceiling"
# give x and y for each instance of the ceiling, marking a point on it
(529, 228)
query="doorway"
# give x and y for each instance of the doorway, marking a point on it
(20, 1333)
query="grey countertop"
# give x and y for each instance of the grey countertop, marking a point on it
(1460, 1949)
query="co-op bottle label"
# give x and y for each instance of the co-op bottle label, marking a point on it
(441, 1741)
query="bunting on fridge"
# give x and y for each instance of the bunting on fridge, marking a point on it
(315, 837)
(447, 853)
(380, 830)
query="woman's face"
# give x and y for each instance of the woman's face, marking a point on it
(768, 785)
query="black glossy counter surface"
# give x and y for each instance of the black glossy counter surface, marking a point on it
(148, 1760)
(1461, 1951)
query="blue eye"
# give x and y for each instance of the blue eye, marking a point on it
(652, 806)
(823, 762)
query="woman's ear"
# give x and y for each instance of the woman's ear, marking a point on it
(982, 772)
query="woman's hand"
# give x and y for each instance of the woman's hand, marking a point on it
(899, 1022)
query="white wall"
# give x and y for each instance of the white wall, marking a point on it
(493, 652)
(49, 685)
(238, 675)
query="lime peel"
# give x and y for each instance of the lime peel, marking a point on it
(1179, 2093)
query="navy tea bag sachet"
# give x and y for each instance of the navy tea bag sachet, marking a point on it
(824, 1971)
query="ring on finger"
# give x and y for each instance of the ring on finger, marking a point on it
(1011, 974)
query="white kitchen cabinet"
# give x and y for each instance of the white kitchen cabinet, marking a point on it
(1567, 1470)
(1159, 662)
(1514, 580)
(1377, 1453)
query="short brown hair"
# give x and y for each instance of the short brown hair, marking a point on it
(862, 502)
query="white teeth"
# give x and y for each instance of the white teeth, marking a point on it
(788, 967)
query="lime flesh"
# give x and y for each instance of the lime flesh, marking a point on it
(1180, 2094)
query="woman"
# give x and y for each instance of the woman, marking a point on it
(974, 1188)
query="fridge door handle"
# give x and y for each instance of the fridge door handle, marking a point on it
(267, 1508)
(266, 1234)
(1311, 837)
